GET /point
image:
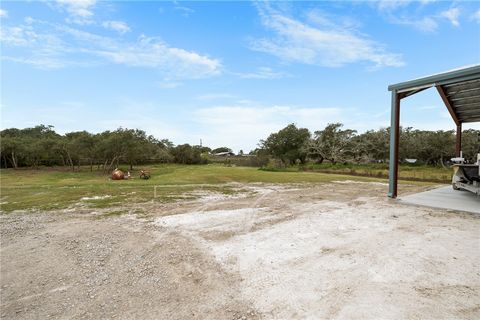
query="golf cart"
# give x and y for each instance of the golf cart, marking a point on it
(466, 176)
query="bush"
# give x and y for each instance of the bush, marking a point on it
(186, 154)
(274, 165)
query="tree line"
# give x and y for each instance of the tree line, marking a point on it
(338, 145)
(42, 146)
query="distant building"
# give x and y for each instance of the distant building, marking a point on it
(224, 154)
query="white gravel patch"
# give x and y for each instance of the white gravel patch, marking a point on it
(339, 259)
(95, 198)
(361, 182)
(215, 220)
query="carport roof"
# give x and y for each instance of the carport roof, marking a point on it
(458, 88)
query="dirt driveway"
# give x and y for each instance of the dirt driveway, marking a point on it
(339, 250)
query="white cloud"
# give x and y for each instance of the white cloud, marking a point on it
(13, 36)
(81, 8)
(119, 26)
(80, 11)
(262, 73)
(476, 16)
(425, 24)
(215, 96)
(186, 12)
(29, 20)
(425, 2)
(166, 84)
(242, 127)
(415, 14)
(40, 62)
(392, 5)
(44, 49)
(153, 53)
(327, 20)
(452, 15)
(389, 5)
(54, 46)
(3, 13)
(330, 46)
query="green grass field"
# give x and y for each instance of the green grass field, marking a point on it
(405, 172)
(47, 189)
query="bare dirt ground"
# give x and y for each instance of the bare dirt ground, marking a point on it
(318, 251)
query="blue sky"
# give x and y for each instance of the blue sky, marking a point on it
(228, 73)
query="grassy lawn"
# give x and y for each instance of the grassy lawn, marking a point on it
(47, 189)
(405, 172)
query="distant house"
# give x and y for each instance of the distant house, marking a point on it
(224, 154)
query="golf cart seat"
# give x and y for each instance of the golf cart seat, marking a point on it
(470, 173)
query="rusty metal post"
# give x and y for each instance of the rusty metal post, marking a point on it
(394, 142)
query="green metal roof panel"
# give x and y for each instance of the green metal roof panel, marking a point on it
(465, 99)
(461, 74)
(461, 87)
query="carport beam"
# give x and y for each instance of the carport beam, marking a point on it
(458, 144)
(394, 141)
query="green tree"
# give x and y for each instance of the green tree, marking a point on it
(40, 145)
(471, 144)
(333, 143)
(288, 144)
(77, 146)
(11, 147)
(186, 154)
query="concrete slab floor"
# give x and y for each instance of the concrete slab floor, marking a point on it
(445, 198)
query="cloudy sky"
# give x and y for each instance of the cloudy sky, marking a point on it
(228, 73)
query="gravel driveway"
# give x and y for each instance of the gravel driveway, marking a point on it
(338, 250)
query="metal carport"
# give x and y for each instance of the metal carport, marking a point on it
(459, 90)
